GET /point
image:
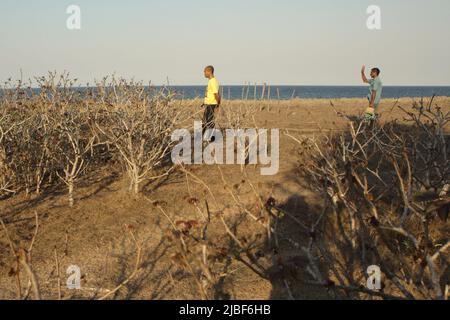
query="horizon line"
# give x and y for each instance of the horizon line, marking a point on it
(269, 85)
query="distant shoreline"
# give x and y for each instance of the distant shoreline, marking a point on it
(286, 92)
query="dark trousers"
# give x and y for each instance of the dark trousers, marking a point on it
(208, 119)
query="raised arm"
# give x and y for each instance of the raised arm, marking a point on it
(363, 74)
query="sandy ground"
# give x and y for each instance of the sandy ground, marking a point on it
(92, 235)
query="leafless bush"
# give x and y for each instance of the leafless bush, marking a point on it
(140, 128)
(74, 146)
(6, 171)
(386, 203)
(212, 257)
(237, 116)
(33, 154)
(58, 132)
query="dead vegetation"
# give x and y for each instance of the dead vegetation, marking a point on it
(384, 188)
(386, 203)
(58, 133)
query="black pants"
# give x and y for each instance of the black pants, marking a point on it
(208, 119)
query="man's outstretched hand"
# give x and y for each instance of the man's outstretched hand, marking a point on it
(363, 69)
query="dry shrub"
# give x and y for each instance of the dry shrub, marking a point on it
(386, 203)
(237, 115)
(58, 132)
(139, 127)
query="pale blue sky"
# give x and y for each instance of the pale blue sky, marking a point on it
(320, 42)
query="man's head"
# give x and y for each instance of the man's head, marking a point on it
(375, 72)
(209, 72)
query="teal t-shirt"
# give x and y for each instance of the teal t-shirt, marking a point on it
(375, 85)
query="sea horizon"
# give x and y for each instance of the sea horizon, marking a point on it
(287, 92)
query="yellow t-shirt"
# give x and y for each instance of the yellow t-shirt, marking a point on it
(211, 90)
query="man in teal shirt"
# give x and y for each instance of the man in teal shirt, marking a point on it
(375, 91)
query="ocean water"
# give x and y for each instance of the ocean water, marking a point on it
(236, 92)
(311, 92)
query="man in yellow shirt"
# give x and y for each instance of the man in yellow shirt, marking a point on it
(212, 100)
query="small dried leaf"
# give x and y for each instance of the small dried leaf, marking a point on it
(12, 272)
(271, 202)
(193, 201)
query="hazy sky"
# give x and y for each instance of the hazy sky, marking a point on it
(322, 42)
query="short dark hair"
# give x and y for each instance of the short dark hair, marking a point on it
(210, 68)
(377, 71)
